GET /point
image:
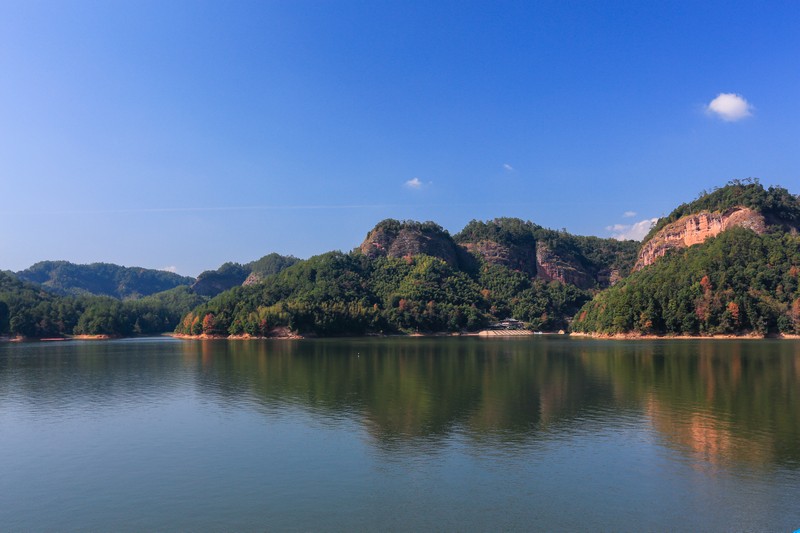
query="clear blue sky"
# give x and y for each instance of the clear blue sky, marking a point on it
(187, 134)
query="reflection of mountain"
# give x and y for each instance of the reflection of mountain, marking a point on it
(411, 388)
(719, 401)
(715, 402)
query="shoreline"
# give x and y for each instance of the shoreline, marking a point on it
(650, 337)
(285, 334)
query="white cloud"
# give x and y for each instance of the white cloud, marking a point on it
(629, 214)
(508, 167)
(730, 107)
(172, 269)
(416, 184)
(635, 231)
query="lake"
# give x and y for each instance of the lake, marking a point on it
(400, 434)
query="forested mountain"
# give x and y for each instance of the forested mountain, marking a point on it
(229, 275)
(58, 298)
(413, 276)
(727, 263)
(29, 311)
(585, 262)
(65, 278)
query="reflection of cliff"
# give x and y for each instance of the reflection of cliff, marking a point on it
(709, 437)
(724, 401)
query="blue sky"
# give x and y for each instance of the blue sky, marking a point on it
(186, 134)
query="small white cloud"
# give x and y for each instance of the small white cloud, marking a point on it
(730, 107)
(417, 184)
(629, 214)
(414, 183)
(508, 167)
(172, 269)
(635, 231)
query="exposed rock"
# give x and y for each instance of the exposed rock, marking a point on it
(252, 279)
(551, 267)
(515, 258)
(401, 239)
(695, 229)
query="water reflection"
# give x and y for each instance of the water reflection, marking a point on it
(714, 402)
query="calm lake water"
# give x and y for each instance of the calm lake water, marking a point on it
(457, 434)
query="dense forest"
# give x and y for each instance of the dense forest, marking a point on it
(27, 310)
(58, 298)
(736, 282)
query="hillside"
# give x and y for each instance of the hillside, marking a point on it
(65, 278)
(735, 272)
(409, 276)
(585, 262)
(26, 310)
(212, 282)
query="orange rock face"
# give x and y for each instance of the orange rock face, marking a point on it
(695, 229)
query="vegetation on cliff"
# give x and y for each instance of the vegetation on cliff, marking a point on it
(586, 262)
(737, 282)
(778, 205)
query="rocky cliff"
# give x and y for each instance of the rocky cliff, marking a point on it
(513, 257)
(552, 267)
(695, 229)
(400, 239)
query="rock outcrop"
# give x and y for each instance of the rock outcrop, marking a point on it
(695, 229)
(551, 267)
(400, 239)
(513, 257)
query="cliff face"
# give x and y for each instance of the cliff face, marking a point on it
(695, 229)
(409, 240)
(515, 258)
(551, 267)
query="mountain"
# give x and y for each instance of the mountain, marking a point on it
(741, 203)
(410, 276)
(726, 263)
(585, 262)
(212, 282)
(393, 238)
(65, 278)
(29, 311)
(229, 275)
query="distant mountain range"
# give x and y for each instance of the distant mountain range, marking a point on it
(725, 263)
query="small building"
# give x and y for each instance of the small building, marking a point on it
(507, 324)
